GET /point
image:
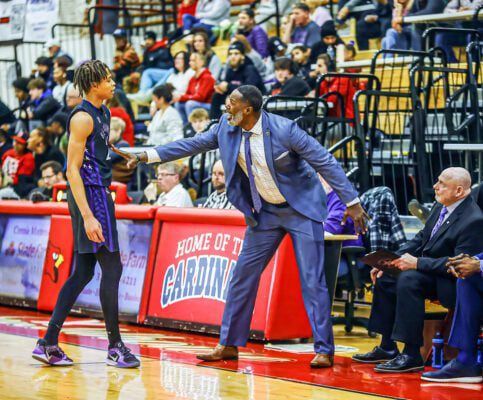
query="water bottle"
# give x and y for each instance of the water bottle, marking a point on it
(479, 353)
(438, 345)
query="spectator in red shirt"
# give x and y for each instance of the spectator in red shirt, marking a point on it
(18, 168)
(200, 88)
(186, 7)
(117, 110)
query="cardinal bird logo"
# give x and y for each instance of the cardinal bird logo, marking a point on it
(58, 260)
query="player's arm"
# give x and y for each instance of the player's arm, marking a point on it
(81, 126)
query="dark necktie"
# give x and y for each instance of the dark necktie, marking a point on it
(257, 202)
(438, 224)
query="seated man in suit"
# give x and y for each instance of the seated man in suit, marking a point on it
(455, 226)
(466, 322)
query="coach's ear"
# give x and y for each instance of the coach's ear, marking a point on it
(248, 110)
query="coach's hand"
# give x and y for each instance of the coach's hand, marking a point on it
(358, 215)
(93, 229)
(131, 158)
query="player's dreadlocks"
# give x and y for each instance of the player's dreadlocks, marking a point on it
(88, 74)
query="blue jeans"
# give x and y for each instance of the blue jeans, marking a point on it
(397, 41)
(153, 77)
(190, 21)
(185, 109)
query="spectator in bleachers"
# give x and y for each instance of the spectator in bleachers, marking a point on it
(237, 71)
(20, 87)
(288, 84)
(466, 322)
(200, 88)
(301, 56)
(53, 46)
(186, 7)
(126, 60)
(59, 92)
(5, 142)
(370, 23)
(418, 8)
(263, 66)
(318, 13)
(398, 37)
(328, 43)
(44, 71)
(455, 226)
(300, 28)
(6, 116)
(166, 125)
(42, 105)
(217, 199)
(118, 110)
(51, 174)
(120, 171)
(173, 194)
(255, 34)
(157, 62)
(276, 48)
(448, 40)
(57, 131)
(201, 44)
(18, 167)
(40, 144)
(199, 120)
(209, 13)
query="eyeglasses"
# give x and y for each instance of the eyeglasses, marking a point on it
(164, 175)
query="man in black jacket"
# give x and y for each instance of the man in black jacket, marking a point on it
(239, 70)
(455, 226)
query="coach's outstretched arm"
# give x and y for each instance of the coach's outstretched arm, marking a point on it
(175, 150)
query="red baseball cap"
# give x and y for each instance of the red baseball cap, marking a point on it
(21, 137)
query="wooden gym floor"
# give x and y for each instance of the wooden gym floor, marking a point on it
(169, 369)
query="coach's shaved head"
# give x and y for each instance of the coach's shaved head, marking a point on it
(453, 184)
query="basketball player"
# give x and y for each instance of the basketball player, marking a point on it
(92, 210)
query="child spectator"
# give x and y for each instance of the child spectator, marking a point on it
(288, 84)
(42, 105)
(301, 56)
(117, 110)
(18, 168)
(200, 88)
(126, 60)
(199, 120)
(120, 171)
(167, 125)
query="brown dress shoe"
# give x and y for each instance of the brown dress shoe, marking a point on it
(322, 361)
(220, 353)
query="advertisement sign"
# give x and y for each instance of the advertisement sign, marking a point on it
(23, 246)
(194, 265)
(40, 16)
(134, 241)
(12, 20)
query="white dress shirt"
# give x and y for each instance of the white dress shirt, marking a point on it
(266, 186)
(176, 197)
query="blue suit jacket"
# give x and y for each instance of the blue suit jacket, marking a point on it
(293, 158)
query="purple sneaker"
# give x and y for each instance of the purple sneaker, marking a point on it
(52, 355)
(121, 357)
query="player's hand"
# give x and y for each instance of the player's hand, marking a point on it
(375, 274)
(93, 229)
(132, 160)
(358, 215)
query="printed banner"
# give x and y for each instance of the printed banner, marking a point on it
(12, 20)
(194, 266)
(40, 16)
(23, 247)
(134, 241)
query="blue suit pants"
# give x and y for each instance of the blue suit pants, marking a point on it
(259, 246)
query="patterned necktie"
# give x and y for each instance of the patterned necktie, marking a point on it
(257, 203)
(442, 214)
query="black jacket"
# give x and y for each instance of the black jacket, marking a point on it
(44, 108)
(158, 56)
(462, 232)
(244, 75)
